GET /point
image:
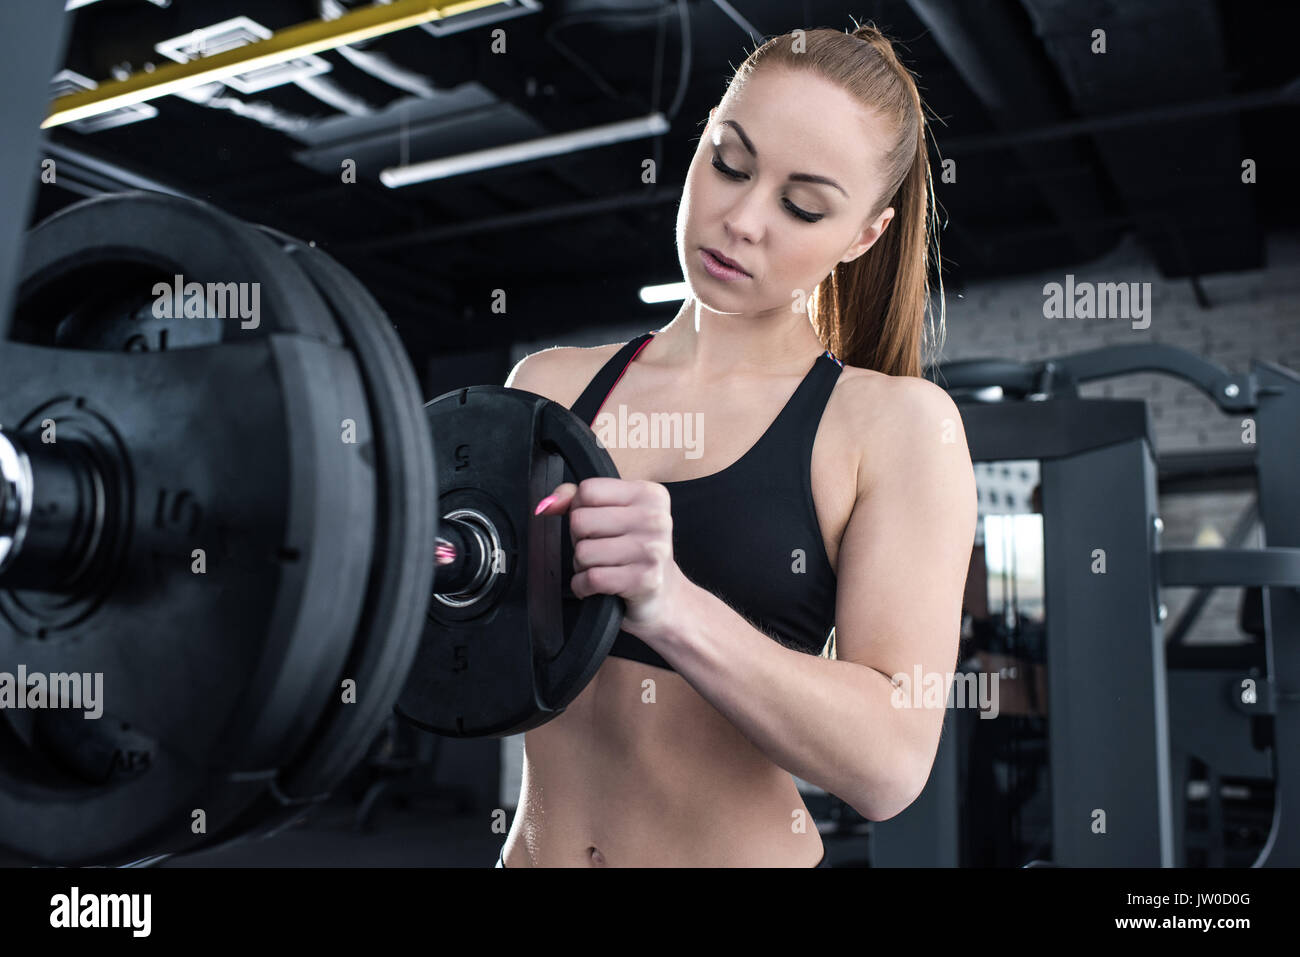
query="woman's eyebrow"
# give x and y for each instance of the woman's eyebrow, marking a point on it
(797, 177)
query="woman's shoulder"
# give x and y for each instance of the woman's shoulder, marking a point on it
(872, 394)
(561, 373)
(884, 416)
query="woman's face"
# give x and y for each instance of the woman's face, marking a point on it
(758, 193)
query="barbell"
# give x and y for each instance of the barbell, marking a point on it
(223, 498)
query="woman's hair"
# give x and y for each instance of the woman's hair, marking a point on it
(871, 312)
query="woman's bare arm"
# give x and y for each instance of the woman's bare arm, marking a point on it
(902, 566)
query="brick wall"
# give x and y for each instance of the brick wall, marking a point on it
(1254, 314)
(1251, 314)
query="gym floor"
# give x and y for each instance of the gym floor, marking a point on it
(422, 834)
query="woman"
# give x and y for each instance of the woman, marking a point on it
(828, 491)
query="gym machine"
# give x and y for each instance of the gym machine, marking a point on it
(1124, 714)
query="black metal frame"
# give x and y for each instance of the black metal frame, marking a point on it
(1109, 711)
(32, 37)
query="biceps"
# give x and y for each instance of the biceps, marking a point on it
(903, 563)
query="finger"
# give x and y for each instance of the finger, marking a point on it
(557, 503)
(600, 492)
(602, 580)
(612, 521)
(596, 552)
(615, 580)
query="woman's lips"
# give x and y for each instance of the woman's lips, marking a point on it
(718, 269)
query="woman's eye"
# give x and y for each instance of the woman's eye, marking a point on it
(730, 173)
(806, 216)
(726, 170)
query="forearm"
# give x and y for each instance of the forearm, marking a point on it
(828, 722)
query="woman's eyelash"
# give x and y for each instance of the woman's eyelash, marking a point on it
(730, 173)
(726, 170)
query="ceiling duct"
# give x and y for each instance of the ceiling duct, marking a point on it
(995, 53)
(70, 81)
(1181, 178)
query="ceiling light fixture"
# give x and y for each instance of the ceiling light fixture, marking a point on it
(559, 144)
(287, 44)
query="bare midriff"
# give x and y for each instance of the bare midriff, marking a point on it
(651, 775)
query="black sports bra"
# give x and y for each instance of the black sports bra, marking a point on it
(749, 533)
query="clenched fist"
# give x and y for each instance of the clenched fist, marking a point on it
(622, 533)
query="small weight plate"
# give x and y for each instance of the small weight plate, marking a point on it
(517, 656)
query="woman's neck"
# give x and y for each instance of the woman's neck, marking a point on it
(706, 344)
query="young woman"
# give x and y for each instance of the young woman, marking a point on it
(833, 488)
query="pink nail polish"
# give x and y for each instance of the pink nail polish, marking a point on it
(541, 506)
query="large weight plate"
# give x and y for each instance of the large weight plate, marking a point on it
(519, 655)
(212, 684)
(401, 575)
(93, 265)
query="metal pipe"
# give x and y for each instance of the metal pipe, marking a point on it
(376, 64)
(283, 45)
(1243, 526)
(619, 202)
(1286, 95)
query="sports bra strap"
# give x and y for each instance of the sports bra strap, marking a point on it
(593, 397)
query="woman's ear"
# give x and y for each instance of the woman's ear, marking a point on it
(869, 235)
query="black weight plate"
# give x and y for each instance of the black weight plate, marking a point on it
(95, 263)
(517, 656)
(401, 576)
(211, 683)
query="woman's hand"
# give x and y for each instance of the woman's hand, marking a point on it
(622, 533)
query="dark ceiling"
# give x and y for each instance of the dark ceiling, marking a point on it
(1059, 151)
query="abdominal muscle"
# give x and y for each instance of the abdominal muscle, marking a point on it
(628, 778)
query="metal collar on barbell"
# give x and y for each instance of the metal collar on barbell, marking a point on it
(15, 499)
(485, 554)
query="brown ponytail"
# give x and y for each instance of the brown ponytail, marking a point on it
(871, 312)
